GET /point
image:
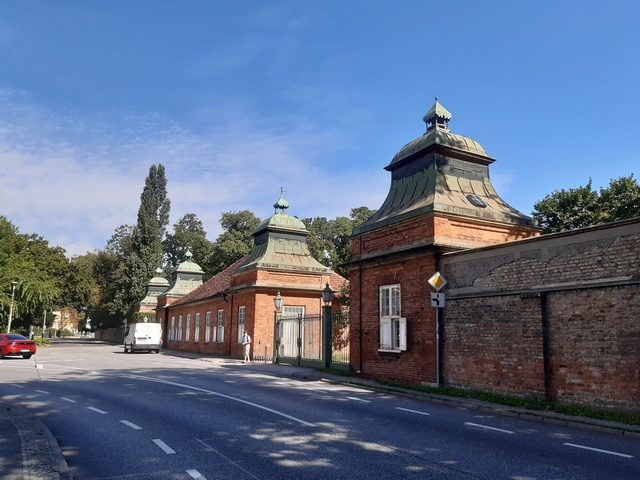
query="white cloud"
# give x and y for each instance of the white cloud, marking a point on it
(74, 178)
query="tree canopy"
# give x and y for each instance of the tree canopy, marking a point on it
(583, 206)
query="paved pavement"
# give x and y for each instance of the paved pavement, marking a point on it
(29, 451)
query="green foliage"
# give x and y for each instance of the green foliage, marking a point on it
(330, 240)
(144, 317)
(147, 236)
(235, 242)
(38, 269)
(188, 234)
(582, 207)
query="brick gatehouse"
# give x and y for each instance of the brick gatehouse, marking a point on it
(553, 316)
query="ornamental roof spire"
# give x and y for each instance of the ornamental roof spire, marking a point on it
(437, 117)
(281, 204)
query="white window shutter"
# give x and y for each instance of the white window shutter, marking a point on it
(403, 333)
(385, 333)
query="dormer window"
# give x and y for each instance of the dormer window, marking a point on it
(476, 201)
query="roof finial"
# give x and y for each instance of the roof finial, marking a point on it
(281, 204)
(437, 117)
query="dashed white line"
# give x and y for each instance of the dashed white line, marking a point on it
(132, 425)
(487, 427)
(359, 399)
(43, 391)
(16, 385)
(195, 474)
(97, 410)
(412, 411)
(608, 452)
(68, 400)
(166, 448)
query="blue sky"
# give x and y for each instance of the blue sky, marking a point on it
(239, 98)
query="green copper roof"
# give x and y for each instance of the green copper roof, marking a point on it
(442, 172)
(280, 242)
(437, 111)
(440, 137)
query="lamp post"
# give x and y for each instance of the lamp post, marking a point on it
(277, 303)
(327, 299)
(13, 291)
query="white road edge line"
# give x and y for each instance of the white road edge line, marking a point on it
(235, 399)
(359, 399)
(167, 449)
(96, 410)
(608, 452)
(43, 391)
(16, 385)
(132, 425)
(412, 411)
(195, 474)
(487, 427)
(68, 400)
(235, 464)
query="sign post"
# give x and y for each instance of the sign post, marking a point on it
(438, 282)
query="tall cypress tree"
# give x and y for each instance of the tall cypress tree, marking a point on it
(148, 234)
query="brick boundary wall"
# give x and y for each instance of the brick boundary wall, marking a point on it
(555, 317)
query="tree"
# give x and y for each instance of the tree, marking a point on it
(188, 234)
(330, 240)
(582, 207)
(38, 269)
(235, 242)
(146, 242)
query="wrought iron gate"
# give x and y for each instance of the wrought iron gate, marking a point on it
(299, 341)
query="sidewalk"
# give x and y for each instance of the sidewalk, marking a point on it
(29, 451)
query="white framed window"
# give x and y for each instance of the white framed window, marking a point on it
(196, 329)
(179, 339)
(187, 333)
(393, 327)
(172, 329)
(218, 331)
(241, 319)
(207, 328)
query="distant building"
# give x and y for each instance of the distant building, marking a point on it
(211, 317)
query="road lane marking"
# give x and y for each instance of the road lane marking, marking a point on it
(487, 427)
(43, 391)
(97, 410)
(235, 464)
(359, 399)
(167, 449)
(608, 452)
(195, 474)
(412, 411)
(16, 385)
(68, 400)
(228, 397)
(132, 425)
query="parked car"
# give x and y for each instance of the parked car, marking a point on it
(143, 336)
(14, 344)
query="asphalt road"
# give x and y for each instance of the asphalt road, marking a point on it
(149, 416)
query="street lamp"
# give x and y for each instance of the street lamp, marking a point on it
(327, 299)
(327, 295)
(277, 302)
(13, 291)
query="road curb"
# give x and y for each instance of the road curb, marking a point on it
(42, 458)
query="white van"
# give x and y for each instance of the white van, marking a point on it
(143, 336)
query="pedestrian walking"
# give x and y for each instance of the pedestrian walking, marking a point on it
(246, 346)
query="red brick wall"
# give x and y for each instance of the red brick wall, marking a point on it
(418, 363)
(556, 316)
(494, 344)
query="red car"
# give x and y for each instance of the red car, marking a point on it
(14, 344)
